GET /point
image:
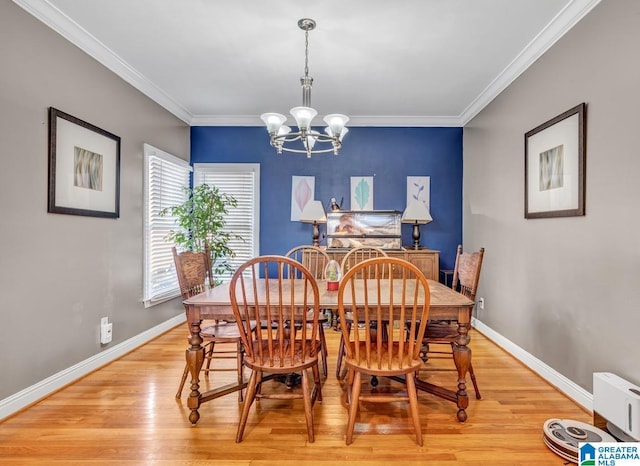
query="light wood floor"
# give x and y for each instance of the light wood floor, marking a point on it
(126, 413)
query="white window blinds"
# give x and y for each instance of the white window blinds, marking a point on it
(242, 181)
(166, 176)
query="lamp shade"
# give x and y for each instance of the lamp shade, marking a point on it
(344, 131)
(273, 121)
(303, 116)
(284, 130)
(416, 212)
(313, 212)
(310, 141)
(335, 122)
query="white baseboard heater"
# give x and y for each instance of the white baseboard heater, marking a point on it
(616, 406)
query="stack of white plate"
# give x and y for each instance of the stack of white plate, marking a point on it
(562, 436)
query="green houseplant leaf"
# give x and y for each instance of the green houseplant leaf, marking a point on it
(201, 219)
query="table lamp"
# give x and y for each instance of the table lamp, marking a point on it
(313, 212)
(417, 214)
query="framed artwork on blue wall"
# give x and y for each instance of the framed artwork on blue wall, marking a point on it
(418, 190)
(554, 168)
(302, 191)
(362, 193)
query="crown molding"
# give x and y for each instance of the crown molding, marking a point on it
(226, 120)
(44, 11)
(51, 16)
(557, 27)
(404, 120)
(354, 121)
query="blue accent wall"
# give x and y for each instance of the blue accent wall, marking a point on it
(387, 154)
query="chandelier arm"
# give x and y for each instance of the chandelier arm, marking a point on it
(288, 137)
(319, 137)
(302, 151)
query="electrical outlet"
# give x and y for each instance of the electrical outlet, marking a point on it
(481, 303)
(106, 331)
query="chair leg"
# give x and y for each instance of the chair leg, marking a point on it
(185, 373)
(324, 352)
(424, 352)
(350, 376)
(413, 406)
(316, 379)
(258, 391)
(341, 352)
(308, 405)
(334, 321)
(339, 362)
(209, 356)
(353, 408)
(240, 362)
(255, 378)
(473, 381)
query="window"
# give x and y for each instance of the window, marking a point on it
(165, 178)
(242, 181)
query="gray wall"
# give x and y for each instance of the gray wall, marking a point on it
(60, 273)
(566, 290)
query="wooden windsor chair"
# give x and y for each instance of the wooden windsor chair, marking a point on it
(466, 275)
(194, 277)
(315, 260)
(398, 302)
(278, 345)
(350, 259)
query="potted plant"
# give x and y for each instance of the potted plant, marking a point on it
(333, 274)
(202, 219)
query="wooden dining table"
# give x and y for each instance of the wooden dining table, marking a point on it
(215, 303)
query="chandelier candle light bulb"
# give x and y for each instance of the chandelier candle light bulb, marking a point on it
(280, 136)
(273, 121)
(303, 116)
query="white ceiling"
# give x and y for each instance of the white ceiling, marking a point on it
(382, 62)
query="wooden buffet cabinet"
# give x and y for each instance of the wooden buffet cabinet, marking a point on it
(426, 260)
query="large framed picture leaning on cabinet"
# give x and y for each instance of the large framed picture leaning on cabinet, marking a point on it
(348, 229)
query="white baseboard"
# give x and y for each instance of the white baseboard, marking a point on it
(566, 386)
(30, 395)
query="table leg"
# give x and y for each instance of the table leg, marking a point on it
(462, 360)
(195, 359)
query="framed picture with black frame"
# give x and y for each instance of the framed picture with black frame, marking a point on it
(554, 167)
(84, 168)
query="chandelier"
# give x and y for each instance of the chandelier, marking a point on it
(281, 135)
